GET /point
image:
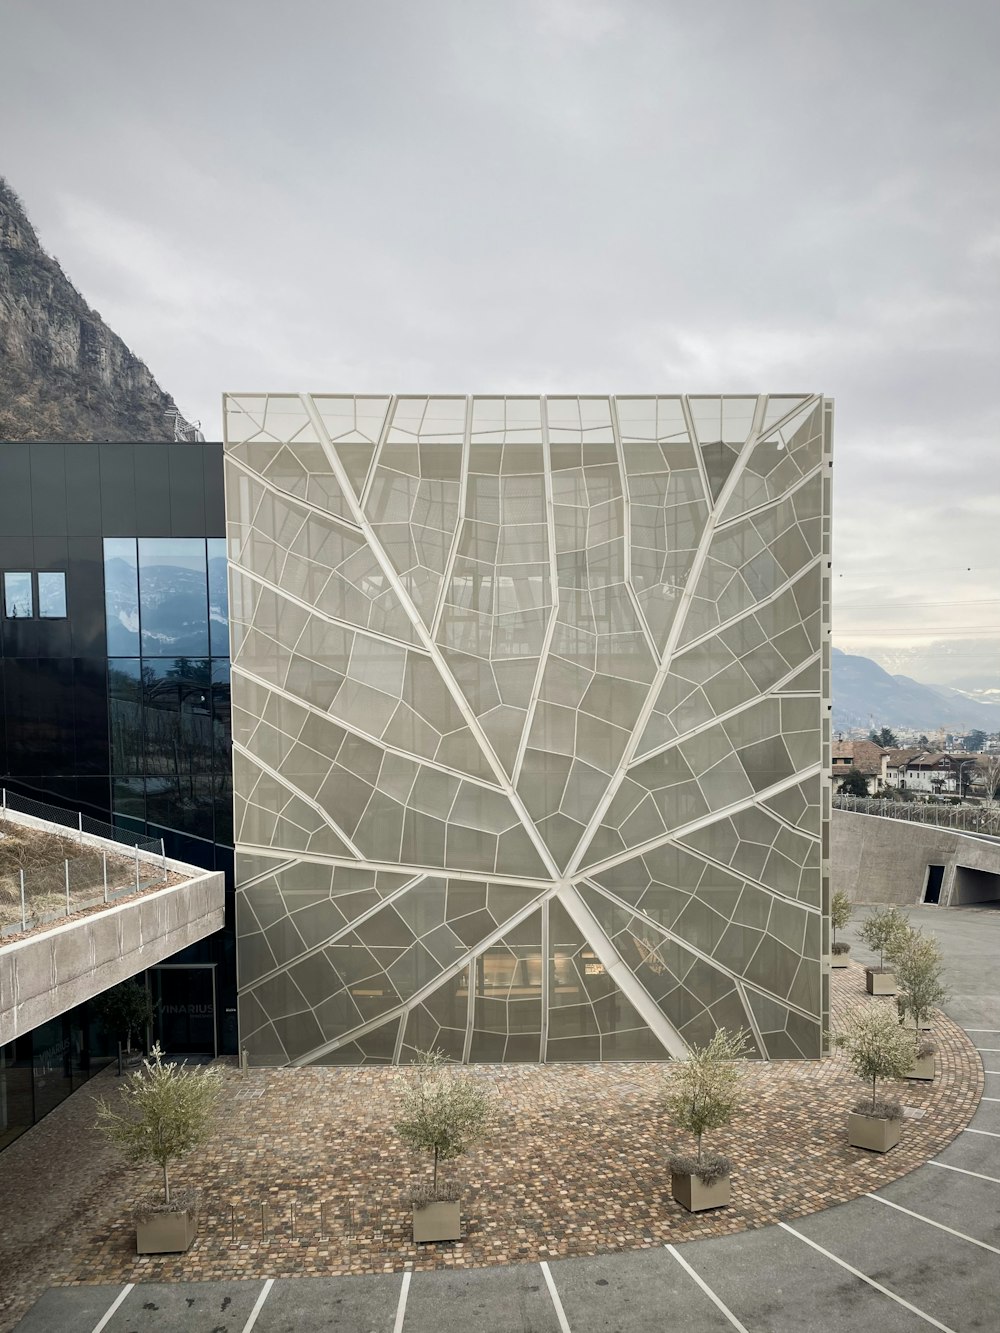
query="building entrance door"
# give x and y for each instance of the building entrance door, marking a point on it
(184, 1008)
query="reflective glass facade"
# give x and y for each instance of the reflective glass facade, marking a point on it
(169, 703)
(530, 713)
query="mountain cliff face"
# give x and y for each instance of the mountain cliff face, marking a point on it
(63, 374)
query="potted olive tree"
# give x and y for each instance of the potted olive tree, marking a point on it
(918, 973)
(885, 931)
(877, 1047)
(445, 1113)
(703, 1093)
(840, 914)
(164, 1110)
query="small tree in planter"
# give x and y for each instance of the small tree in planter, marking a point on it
(125, 1011)
(884, 930)
(877, 1048)
(840, 914)
(445, 1113)
(163, 1111)
(703, 1093)
(918, 974)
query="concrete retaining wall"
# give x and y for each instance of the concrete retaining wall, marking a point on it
(878, 860)
(45, 973)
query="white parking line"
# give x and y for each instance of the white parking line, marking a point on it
(557, 1304)
(989, 1099)
(988, 1132)
(988, 1050)
(921, 1314)
(113, 1306)
(931, 1223)
(707, 1289)
(404, 1291)
(994, 1180)
(265, 1291)
(981, 1029)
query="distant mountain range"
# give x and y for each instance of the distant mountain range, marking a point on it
(864, 694)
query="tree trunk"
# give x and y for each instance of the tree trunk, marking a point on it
(699, 1148)
(435, 1170)
(873, 1095)
(166, 1184)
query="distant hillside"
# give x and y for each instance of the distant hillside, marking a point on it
(863, 692)
(63, 374)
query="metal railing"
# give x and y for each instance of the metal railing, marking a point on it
(49, 870)
(981, 820)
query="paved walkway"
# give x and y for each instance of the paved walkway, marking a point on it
(923, 1251)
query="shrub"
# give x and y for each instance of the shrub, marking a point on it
(886, 1108)
(708, 1169)
(885, 930)
(165, 1111)
(877, 1047)
(443, 1112)
(840, 947)
(702, 1092)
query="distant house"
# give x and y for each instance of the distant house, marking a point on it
(867, 757)
(926, 772)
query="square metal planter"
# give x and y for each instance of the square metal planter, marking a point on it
(880, 983)
(691, 1194)
(924, 1068)
(441, 1219)
(872, 1132)
(166, 1233)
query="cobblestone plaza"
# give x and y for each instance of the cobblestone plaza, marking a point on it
(530, 724)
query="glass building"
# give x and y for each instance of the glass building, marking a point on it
(530, 724)
(114, 701)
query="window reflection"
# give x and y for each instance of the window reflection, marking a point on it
(18, 602)
(52, 596)
(218, 596)
(121, 596)
(173, 596)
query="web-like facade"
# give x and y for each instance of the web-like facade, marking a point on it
(530, 724)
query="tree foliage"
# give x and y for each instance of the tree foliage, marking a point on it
(919, 965)
(854, 783)
(840, 911)
(125, 1009)
(703, 1091)
(164, 1110)
(886, 738)
(886, 930)
(443, 1111)
(877, 1047)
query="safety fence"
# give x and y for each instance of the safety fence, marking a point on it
(982, 819)
(51, 868)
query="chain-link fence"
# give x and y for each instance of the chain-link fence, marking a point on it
(51, 869)
(984, 819)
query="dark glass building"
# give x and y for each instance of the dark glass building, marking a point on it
(114, 682)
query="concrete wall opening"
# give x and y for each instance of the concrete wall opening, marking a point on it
(975, 886)
(935, 878)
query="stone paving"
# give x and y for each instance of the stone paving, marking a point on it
(576, 1168)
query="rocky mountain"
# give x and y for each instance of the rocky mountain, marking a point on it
(864, 693)
(64, 375)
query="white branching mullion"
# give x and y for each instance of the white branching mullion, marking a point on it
(431, 646)
(673, 639)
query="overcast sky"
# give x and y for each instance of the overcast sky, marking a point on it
(563, 195)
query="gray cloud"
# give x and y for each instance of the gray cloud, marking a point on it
(558, 196)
